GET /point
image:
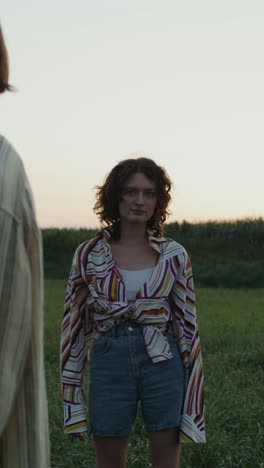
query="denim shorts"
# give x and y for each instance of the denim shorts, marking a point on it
(122, 374)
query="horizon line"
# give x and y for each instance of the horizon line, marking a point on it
(184, 221)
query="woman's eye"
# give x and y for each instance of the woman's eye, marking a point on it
(132, 192)
(150, 194)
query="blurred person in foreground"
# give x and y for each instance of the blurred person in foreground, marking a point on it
(24, 439)
(130, 300)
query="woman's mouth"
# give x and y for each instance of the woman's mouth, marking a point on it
(139, 212)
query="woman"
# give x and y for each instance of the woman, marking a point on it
(24, 433)
(130, 298)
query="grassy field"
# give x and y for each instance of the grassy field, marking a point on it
(231, 329)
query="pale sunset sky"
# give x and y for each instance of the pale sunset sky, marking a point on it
(181, 82)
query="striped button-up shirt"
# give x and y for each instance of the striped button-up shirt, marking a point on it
(24, 436)
(96, 301)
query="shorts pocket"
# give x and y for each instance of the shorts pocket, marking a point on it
(101, 346)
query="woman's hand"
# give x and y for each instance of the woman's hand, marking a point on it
(78, 435)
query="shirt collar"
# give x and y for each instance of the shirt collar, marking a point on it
(155, 242)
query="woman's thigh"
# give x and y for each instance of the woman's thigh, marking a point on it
(162, 391)
(113, 389)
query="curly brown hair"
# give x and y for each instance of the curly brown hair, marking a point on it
(108, 194)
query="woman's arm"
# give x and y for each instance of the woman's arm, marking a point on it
(15, 311)
(184, 310)
(23, 403)
(76, 329)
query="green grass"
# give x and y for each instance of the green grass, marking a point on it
(231, 328)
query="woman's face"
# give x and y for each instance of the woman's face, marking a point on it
(138, 199)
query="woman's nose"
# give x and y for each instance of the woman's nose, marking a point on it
(140, 197)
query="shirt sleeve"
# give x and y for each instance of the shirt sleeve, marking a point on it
(76, 330)
(192, 428)
(15, 306)
(24, 431)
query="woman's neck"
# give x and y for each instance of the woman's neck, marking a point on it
(133, 234)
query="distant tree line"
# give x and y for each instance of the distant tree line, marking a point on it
(228, 254)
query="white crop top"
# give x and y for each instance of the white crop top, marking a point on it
(134, 280)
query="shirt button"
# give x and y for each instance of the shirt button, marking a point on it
(130, 328)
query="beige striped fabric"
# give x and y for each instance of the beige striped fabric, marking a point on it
(24, 440)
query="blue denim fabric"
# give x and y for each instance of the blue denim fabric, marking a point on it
(122, 374)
